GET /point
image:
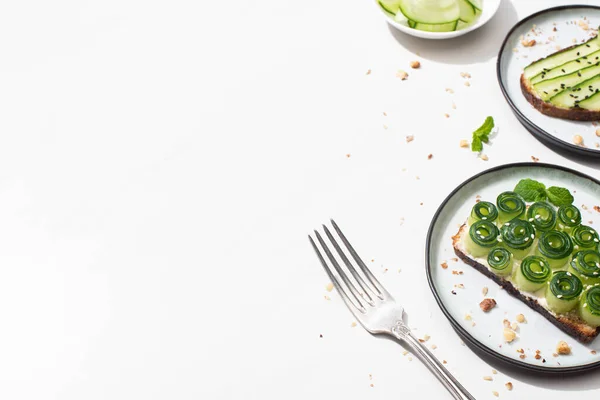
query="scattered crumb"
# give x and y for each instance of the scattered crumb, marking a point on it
(537, 356)
(484, 157)
(528, 43)
(426, 338)
(597, 208)
(522, 356)
(410, 138)
(433, 347)
(583, 25)
(506, 323)
(453, 292)
(509, 335)
(447, 115)
(456, 272)
(329, 287)
(372, 385)
(494, 372)
(468, 317)
(459, 286)
(487, 304)
(464, 143)
(384, 114)
(598, 132)
(348, 155)
(467, 83)
(453, 106)
(415, 64)
(563, 348)
(449, 90)
(368, 72)
(444, 265)
(488, 378)
(352, 325)
(454, 259)
(520, 351)
(593, 351)
(514, 326)
(554, 29)
(444, 362)
(484, 291)
(509, 385)
(409, 358)
(321, 335)
(402, 75)
(327, 297)
(465, 75)
(535, 159)
(430, 156)
(405, 352)
(520, 318)
(578, 140)
(495, 393)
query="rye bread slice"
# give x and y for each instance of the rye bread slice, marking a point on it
(546, 108)
(568, 323)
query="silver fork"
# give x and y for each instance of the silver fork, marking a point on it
(375, 308)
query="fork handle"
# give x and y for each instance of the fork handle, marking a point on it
(402, 332)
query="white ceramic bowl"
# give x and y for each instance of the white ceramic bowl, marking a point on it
(490, 7)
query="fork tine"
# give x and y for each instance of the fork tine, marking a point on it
(366, 289)
(335, 281)
(339, 270)
(361, 264)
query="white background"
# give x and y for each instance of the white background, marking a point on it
(162, 163)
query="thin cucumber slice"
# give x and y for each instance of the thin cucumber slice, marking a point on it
(468, 13)
(412, 24)
(449, 27)
(431, 11)
(390, 6)
(569, 67)
(592, 103)
(547, 89)
(569, 98)
(477, 4)
(462, 25)
(561, 57)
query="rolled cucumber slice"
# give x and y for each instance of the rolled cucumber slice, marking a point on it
(551, 87)
(468, 13)
(589, 306)
(533, 274)
(562, 293)
(561, 57)
(431, 11)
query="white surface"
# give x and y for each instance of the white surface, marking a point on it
(537, 334)
(516, 57)
(162, 164)
(489, 10)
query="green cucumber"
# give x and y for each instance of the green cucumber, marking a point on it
(551, 87)
(481, 238)
(571, 97)
(542, 215)
(568, 218)
(510, 205)
(483, 210)
(431, 11)
(556, 247)
(586, 265)
(468, 13)
(532, 275)
(449, 27)
(591, 103)
(476, 4)
(518, 237)
(390, 6)
(569, 67)
(584, 238)
(562, 293)
(589, 306)
(500, 261)
(562, 57)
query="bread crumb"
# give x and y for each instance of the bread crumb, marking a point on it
(447, 115)
(415, 64)
(449, 90)
(514, 326)
(405, 352)
(509, 335)
(352, 325)
(430, 156)
(372, 385)
(597, 208)
(593, 351)
(348, 155)
(444, 362)
(535, 159)
(454, 259)
(484, 157)
(368, 72)
(488, 378)
(455, 272)
(506, 323)
(583, 25)
(464, 143)
(598, 132)
(410, 138)
(537, 356)
(578, 140)
(459, 286)
(468, 317)
(528, 43)
(467, 83)
(402, 75)
(484, 291)
(487, 304)
(444, 265)
(433, 347)
(465, 75)
(563, 348)
(495, 393)
(494, 372)
(520, 318)
(509, 386)
(522, 356)
(329, 287)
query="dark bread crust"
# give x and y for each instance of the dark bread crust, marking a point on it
(575, 114)
(569, 324)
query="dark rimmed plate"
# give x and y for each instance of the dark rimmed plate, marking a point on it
(513, 57)
(487, 333)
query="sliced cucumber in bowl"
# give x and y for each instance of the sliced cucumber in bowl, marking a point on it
(468, 13)
(477, 4)
(390, 6)
(449, 27)
(431, 12)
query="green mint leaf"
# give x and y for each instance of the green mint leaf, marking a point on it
(559, 196)
(531, 190)
(476, 144)
(485, 129)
